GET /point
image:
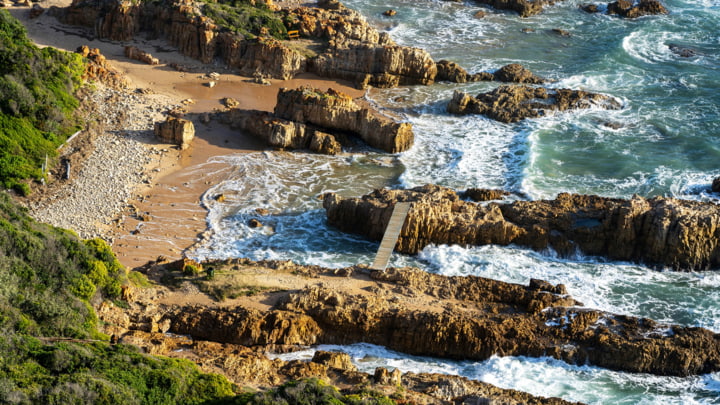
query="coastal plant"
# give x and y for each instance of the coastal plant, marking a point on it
(37, 107)
(245, 18)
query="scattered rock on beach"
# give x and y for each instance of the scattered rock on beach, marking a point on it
(174, 130)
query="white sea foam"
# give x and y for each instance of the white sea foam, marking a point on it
(540, 376)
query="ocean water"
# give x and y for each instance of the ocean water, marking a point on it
(664, 141)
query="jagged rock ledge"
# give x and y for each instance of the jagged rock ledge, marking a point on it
(419, 313)
(662, 232)
(344, 45)
(513, 103)
(308, 118)
(628, 8)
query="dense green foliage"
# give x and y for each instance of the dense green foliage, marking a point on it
(99, 373)
(244, 18)
(36, 102)
(48, 276)
(311, 391)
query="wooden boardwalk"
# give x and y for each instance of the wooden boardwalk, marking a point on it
(397, 220)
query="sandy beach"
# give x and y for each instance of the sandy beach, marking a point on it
(165, 186)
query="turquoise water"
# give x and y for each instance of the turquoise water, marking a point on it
(665, 141)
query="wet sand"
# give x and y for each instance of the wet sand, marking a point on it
(171, 200)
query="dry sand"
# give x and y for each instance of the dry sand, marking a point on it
(178, 178)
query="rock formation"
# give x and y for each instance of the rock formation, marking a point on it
(633, 9)
(318, 120)
(338, 112)
(662, 232)
(512, 103)
(351, 48)
(176, 130)
(629, 8)
(99, 69)
(280, 133)
(137, 54)
(452, 72)
(715, 187)
(525, 8)
(419, 313)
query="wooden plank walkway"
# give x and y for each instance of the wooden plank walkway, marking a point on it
(397, 220)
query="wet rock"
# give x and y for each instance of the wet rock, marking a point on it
(525, 8)
(479, 14)
(511, 103)
(483, 194)
(589, 8)
(516, 73)
(682, 51)
(254, 223)
(389, 13)
(716, 185)
(176, 130)
(662, 232)
(631, 9)
(561, 32)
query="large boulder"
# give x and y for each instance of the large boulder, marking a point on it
(662, 232)
(632, 9)
(512, 103)
(174, 130)
(334, 111)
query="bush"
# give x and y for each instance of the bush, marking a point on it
(37, 104)
(245, 18)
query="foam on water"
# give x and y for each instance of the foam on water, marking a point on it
(540, 376)
(665, 141)
(691, 299)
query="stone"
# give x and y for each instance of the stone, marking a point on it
(230, 102)
(682, 51)
(337, 360)
(659, 232)
(174, 130)
(513, 103)
(337, 112)
(389, 13)
(482, 194)
(516, 73)
(99, 69)
(629, 9)
(254, 223)
(479, 14)
(716, 185)
(561, 32)
(35, 11)
(133, 52)
(589, 8)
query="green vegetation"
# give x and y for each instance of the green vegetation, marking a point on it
(311, 391)
(36, 103)
(246, 18)
(47, 279)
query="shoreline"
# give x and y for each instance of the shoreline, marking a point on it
(163, 184)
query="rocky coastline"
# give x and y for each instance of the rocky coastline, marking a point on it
(661, 232)
(403, 309)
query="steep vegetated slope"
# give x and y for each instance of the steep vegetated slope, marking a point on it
(36, 103)
(47, 279)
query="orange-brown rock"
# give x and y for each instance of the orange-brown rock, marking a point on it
(281, 133)
(483, 194)
(307, 118)
(512, 103)
(336, 112)
(133, 52)
(452, 72)
(525, 8)
(633, 9)
(663, 232)
(99, 69)
(176, 130)
(461, 318)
